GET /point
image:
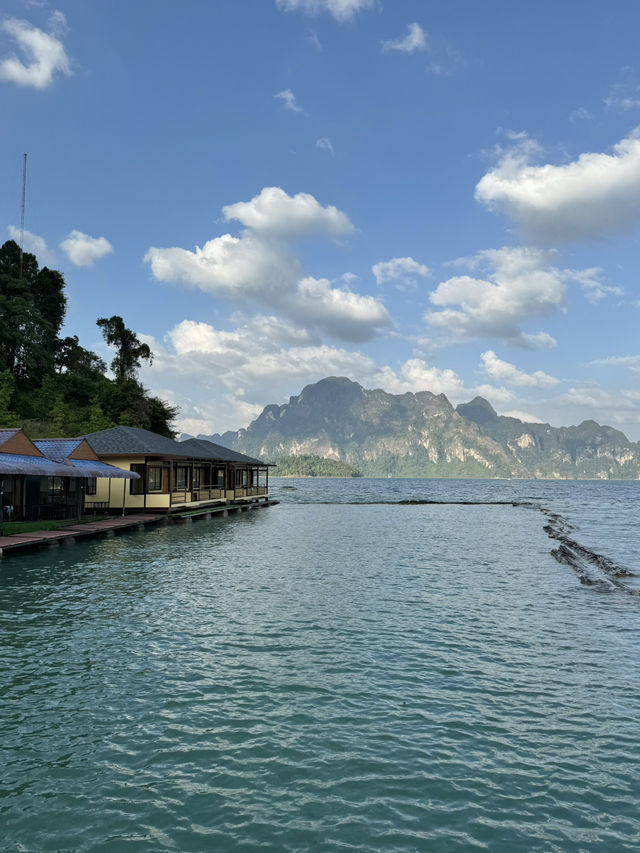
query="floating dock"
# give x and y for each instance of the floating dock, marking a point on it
(19, 542)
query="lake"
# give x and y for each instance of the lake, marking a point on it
(339, 672)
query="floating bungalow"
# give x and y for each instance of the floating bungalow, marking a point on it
(48, 480)
(172, 476)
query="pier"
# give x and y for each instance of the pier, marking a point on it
(18, 542)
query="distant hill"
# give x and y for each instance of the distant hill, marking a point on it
(422, 435)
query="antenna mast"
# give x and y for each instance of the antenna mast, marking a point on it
(24, 195)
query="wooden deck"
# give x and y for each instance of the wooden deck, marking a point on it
(110, 526)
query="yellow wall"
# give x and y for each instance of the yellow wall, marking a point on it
(154, 500)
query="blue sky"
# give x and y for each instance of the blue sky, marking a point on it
(436, 196)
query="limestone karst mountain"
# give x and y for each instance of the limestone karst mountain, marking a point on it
(423, 435)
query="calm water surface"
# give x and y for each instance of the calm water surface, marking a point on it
(329, 674)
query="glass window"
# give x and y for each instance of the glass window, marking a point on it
(197, 475)
(92, 486)
(136, 487)
(181, 478)
(154, 479)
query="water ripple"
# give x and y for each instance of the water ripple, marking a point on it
(318, 677)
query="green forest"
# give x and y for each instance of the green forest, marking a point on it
(312, 466)
(50, 385)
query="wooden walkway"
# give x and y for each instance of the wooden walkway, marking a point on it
(110, 526)
(68, 535)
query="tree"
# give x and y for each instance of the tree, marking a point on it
(54, 385)
(129, 349)
(32, 308)
(8, 418)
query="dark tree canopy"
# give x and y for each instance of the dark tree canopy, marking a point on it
(53, 385)
(129, 350)
(32, 308)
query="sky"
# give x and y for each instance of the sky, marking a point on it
(439, 196)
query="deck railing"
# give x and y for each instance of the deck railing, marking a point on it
(179, 496)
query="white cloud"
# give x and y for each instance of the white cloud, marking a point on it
(503, 371)
(590, 280)
(525, 417)
(618, 407)
(83, 250)
(399, 270)
(260, 268)
(630, 361)
(43, 53)
(325, 144)
(341, 10)
(274, 212)
(415, 39)
(289, 101)
(34, 244)
(592, 197)
(580, 114)
(343, 314)
(625, 94)
(242, 268)
(224, 378)
(312, 36)
(519, 286)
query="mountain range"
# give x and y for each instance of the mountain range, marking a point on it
(422, 435)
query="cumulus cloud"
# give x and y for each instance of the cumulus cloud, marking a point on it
(342, 10)
(274, 212)
(595, 196)
(519, 286)
(401, 271)
(83, 250)
(34, 244)
(43, 53)
(289, 101)
(503, 371)
(225, 378)
(259, 267)
(415, 39)
(325, 144)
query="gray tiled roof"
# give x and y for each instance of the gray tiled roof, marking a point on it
(58, 449)
(209, 450)
(5, 434)
(127, 441)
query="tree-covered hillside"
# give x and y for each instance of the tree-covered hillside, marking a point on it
(52, 386)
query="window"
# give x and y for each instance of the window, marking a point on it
(55, 489)
(92, 486)
(218, 478)
(241, 478)
(136, 487)
(197, 475)
(154, 479)
(182, 478)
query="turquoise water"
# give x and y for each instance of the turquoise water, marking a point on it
(328, 675)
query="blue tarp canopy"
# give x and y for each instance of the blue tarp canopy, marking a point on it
(38, 466)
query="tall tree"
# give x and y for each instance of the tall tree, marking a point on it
(32, 308)
(130, 351)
